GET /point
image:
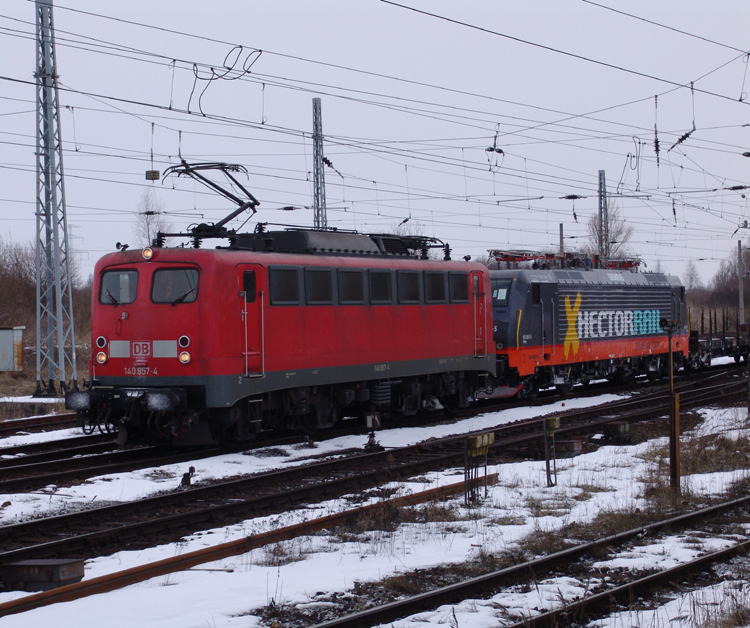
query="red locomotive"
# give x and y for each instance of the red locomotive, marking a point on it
(290, 328)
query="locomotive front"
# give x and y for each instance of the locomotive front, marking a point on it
(145, 343)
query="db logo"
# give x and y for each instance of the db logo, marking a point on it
(141, 349)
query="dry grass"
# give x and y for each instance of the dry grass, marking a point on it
(385, 517)
(507, 520)
(282, 553)
(714, 453)
(432, 512)
(401, 585)
(555, 506)
(541, 542)
(588, 490)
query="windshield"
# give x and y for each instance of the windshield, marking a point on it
(175, 285)
(118, 287)
(501, 292)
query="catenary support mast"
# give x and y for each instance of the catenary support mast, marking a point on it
(603, 218)
(55, 337)
(319, 180)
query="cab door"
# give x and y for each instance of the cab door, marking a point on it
(252, 282)
(479, 303)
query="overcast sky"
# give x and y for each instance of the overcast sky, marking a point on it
(410, 103)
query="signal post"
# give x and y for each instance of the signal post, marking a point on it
(670, 326)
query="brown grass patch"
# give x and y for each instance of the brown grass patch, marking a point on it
(714, 453)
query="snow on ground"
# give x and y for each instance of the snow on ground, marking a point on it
(146, 482)
(224, 593)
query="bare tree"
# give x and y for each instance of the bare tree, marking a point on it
(17, 283)
(150, 220)
(692, 277)
(619, 232)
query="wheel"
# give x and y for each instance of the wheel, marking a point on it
(530, 389)
(564, 389)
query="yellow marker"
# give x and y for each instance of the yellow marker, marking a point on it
(571, 336)
(518, 329)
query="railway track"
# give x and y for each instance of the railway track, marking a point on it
(52, 447)
(76, 459)
(167, 517)
(598, 603)
(38, 423)
(577, 558)
(86, 461)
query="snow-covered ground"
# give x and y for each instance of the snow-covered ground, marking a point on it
(226, 592)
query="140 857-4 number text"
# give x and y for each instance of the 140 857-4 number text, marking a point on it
(140, 371)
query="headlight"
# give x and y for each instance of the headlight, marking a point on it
(185, 357)
(147, 253)
(101, 357)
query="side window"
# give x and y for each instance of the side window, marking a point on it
(459, 287)
(408, 286)
(500, 292)
(318, 286)
(381, 291)
(434, 287)
(175, 285)
(118, 287)
(248, 285)
(284, 285)
(535, 294)
(351, 287)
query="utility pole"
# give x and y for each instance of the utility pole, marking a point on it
(55, 336)
(562, 247)
(740, 273)
(603, 218)
(741, 317)
(319, 179)
(671, 326)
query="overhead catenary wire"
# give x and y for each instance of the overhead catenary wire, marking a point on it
(421, 155)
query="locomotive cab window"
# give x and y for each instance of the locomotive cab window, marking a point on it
(536, 294)
(381, 290)
(351, 287)
(501, 292)
(248, 285)
(318, 286)
(175, 285)
(118, 287)
(408, 287)
(459, 287)
(434, 287)
(284, 286)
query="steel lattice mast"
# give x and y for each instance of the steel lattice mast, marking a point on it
(319, 180)
(603, 217)
(55, 337)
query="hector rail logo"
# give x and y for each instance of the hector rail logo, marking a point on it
(605, 324)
